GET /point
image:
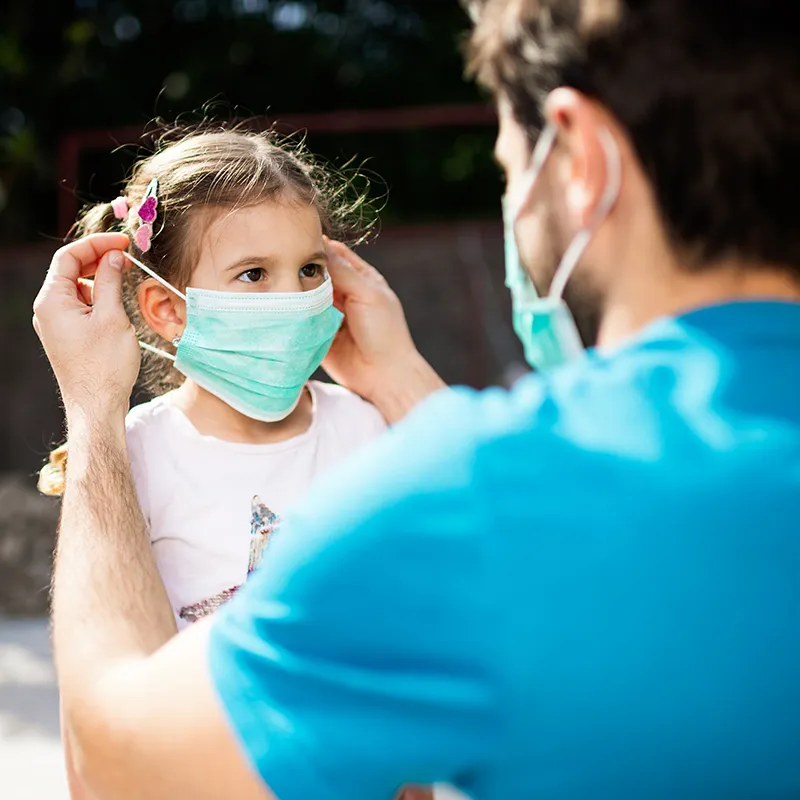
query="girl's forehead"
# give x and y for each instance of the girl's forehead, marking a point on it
(272, 231)
(275, 221)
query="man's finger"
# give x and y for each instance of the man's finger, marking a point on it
(349, 272)
(359, 264)
(85, 290)
(343, 274)
(355, 261)
(107, 290)
(79, 259)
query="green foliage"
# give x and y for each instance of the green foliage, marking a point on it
(101, 64)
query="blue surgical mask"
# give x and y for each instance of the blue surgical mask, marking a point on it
(255, 351)
(545, 325)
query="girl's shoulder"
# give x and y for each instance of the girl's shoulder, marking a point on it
(154, 425)
(340, 407)
(145, 415)
(147, 436)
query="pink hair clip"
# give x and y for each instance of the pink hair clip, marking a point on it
(143, 235)
(120, 207)
(147, 210)
(147, 214)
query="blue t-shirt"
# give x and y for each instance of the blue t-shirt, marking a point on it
(587, 587)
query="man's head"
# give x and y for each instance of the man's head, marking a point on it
(703, 101)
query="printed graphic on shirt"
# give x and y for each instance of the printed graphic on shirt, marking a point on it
(197, 611)
(263, 523)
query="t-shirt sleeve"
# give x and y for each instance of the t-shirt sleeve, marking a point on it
(363, 419)
(375, 423)
(355, 420)
(136, 431)
(348, 667)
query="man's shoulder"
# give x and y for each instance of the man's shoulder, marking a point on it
(432, 462)
(556, 407)
(602, 416)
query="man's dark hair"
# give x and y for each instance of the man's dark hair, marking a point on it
(708, 91)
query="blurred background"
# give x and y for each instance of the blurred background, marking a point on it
(84, 85)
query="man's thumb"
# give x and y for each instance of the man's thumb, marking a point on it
(107, 296)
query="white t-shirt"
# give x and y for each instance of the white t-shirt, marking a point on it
(211, 505)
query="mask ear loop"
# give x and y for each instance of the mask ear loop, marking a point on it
(517, 277)
(541, 152)
(607, 201)
(166, 285)
(153, 275)
(151, 349)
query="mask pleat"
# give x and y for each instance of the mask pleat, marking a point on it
(255, 351)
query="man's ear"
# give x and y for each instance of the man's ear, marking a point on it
(582, 158)
(162, 310)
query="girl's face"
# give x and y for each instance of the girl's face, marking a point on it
(275, 246)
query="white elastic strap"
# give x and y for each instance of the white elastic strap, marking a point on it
(541, 151)
(607, 201)
(153, 275)
(151, 349)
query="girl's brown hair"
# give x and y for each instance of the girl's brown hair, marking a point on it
(199, 173)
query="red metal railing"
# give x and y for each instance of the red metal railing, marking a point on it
(349, 121)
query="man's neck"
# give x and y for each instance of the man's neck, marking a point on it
(672, 292)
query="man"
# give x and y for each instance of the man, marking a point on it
(587, 587)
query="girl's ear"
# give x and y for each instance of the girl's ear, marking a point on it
(163, 311)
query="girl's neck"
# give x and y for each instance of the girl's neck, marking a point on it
(213, 417)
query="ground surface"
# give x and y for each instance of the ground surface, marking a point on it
(30, 746)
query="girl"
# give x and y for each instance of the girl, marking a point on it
(233, 305)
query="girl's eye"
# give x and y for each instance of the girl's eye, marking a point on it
(311, 271)
(252, 275)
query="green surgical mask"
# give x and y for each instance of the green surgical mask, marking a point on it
(545, 325)
(255, 351)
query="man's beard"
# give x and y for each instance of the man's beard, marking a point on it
(580, 295)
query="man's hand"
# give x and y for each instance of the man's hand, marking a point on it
(86, 334)
(373, 354)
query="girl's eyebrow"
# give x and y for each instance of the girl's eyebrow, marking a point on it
(267, 261)
(262, 261)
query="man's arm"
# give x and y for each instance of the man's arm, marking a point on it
(140, 717)
(401, 392)
(108, 598)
